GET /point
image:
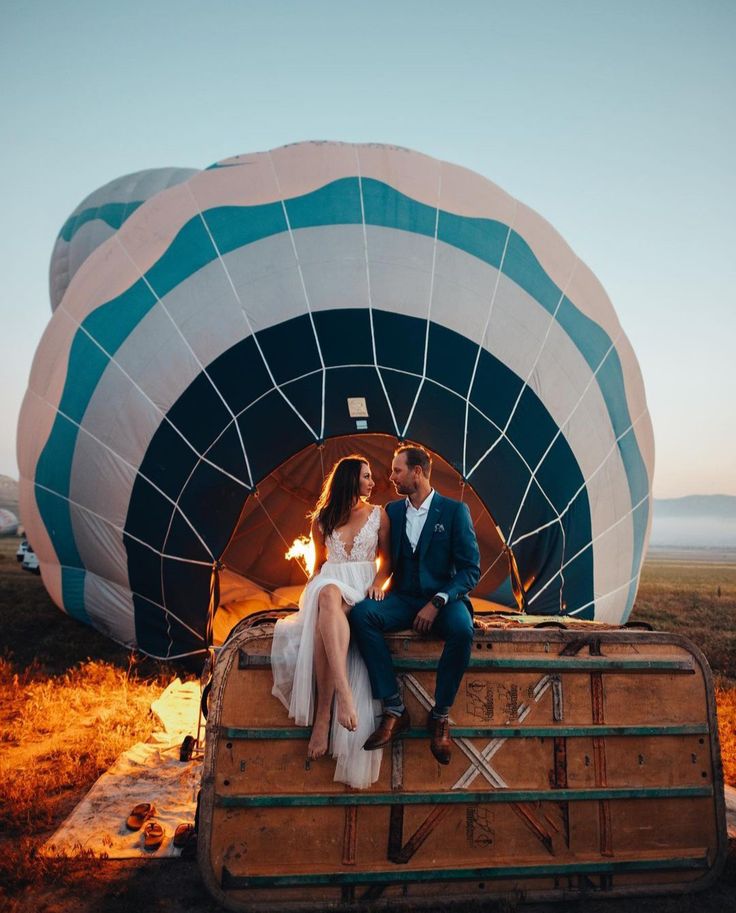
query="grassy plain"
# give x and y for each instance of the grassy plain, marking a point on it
(697, 598)
(72, 701)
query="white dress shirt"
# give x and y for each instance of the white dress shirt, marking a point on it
(416, 517)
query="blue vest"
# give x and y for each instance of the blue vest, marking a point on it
(407, 573)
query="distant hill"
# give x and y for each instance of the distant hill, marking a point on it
(696, 506)
(695, 521)
(9, 494)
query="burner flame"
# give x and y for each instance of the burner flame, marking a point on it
(302, 548)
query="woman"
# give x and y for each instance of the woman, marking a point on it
(313, 645)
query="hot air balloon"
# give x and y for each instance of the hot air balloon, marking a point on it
(245, 325)
(99, 216)
(8, 523)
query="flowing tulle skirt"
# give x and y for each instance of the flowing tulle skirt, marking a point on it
(292, 662)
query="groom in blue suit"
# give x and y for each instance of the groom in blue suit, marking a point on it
(435, 564)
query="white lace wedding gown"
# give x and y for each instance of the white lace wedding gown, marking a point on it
(292, 654)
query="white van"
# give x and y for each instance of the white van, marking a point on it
(30, 561)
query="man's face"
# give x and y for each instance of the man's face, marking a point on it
(403, 476)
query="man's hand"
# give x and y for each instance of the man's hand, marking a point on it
(425, 618)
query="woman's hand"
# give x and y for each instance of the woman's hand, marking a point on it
(375, 592)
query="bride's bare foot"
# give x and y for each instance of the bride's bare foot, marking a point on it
(347, 715)
(317, 747)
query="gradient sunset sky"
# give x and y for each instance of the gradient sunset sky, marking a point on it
(615, 121)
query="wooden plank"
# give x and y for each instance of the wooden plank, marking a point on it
(350, 834)
(597, 700)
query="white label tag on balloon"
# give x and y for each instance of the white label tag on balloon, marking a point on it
(357, 407)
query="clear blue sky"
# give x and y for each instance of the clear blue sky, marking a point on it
(615, 121)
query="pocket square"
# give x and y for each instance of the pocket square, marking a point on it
(439, 528)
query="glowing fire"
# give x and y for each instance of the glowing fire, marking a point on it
(302, 548)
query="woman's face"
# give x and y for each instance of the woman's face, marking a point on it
(366, 484)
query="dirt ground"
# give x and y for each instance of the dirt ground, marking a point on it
(46, 666)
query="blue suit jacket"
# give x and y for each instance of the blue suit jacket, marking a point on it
(449, 560)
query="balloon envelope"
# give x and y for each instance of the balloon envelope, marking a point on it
(246, 326)
(8, 523)
(99, 216)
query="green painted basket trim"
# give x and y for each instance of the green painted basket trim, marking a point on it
(240, 882)
(490, 732)
(542, 663)
(568, 663)
(461, 797)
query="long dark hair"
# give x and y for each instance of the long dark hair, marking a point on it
(340, 491)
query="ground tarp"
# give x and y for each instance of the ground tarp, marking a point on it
(148, 772)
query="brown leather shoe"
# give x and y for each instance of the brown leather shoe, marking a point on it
(390, 727)
(440, 743)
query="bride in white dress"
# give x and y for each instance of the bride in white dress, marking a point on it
(311, 649)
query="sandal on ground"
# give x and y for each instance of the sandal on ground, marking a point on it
(153, 835)
(139, 815)
(182, 834)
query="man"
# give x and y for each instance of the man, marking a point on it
(435, 563)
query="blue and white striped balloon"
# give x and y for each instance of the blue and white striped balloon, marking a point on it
(220, 327)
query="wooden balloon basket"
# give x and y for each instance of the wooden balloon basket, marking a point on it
(585, 762)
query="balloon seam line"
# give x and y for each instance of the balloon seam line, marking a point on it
(481, 343)
(304, 288)
(370, 296)
(122, 459)
(589, 545)
(118, 529)
(253, 333)
(429, 303)
(164, 416)
(186, 342)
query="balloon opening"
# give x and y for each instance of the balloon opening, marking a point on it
(270, 555)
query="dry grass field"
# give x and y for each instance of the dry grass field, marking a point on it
(72, 701)
(698, 599)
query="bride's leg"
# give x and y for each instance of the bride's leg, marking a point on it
(319, 739)
(334, 627)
